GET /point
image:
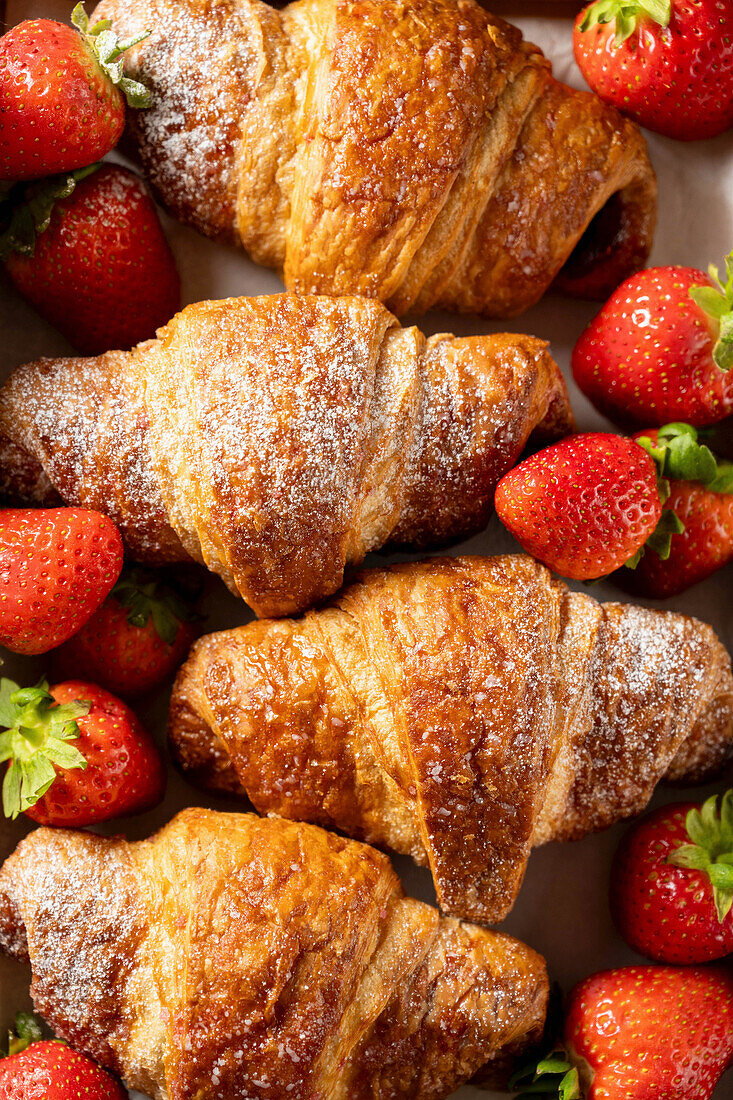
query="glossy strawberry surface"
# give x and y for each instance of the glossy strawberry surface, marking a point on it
(651, 1032)
(58, 109)
(56, 567)
(583, 506)
(665, 912)
(102, 272)
(647, 357)
(124, 772)
(53, 1071)
(676, 79)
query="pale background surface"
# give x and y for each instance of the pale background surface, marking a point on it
(562, 910)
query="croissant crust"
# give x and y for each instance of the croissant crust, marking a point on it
(415, 151)
(461, 711)
(278, 439)
(230, 957)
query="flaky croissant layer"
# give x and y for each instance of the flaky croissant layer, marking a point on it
(461, 711)
(277, 439)
(234, 958)
(415, 151)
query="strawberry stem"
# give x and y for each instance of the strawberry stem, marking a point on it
(717, 302)
(711, 850)
(26, 211)
(626, 15)
(35, 741)
(144, 595)
(108, 50)
(27, 1031)
(553, 1076)
(680, 456)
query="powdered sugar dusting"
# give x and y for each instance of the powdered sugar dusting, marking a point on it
(276, 439)
(267, 960)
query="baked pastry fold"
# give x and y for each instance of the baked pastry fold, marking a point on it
(276, 440)
(415, 151)
(461, 711)
(233, 957)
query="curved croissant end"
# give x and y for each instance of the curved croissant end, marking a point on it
(278, 439)
(461, 711)
(416, 151)
(230, 952)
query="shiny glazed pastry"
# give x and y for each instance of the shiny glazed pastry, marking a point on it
(416, 151)
(277, 439)
(233, 957)
(461, 711)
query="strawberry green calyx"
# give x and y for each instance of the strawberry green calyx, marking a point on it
(553, 1076)
(37, 735)
(660, 540)
(27, 1030)
(108, 50)
(679, 456)
(711, 850)
(27, 210)
(145, 596)
(626, 15)
(717, 302)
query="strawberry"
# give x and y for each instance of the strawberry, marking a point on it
(112, 767)
(53, 1071)
(672, 883)
(62, 95)
(666, 63)
(661, 349)
(56, 567)
(699, 494)
(642, 1033)
(137, 638)
(89, 252)
(584, 505)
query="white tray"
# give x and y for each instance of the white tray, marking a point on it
(562, 910)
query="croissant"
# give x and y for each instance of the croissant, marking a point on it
(415, 151)
(461, 711)
(235, 957)
(277, 439)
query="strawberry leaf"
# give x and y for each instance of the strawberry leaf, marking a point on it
(35, 741)
(146, 595)
(626, 14)
(27, 1031)
(717, 302)
(27, 212)
(711, 831)
(108, 50)
(553, 1076)
(679, 455)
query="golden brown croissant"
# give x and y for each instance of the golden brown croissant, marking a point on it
(416, 151)
(232, 957)
(461, 711)
(277, 439)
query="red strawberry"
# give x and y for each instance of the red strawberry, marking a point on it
(661, 349)
(700, 496)
(53, 1071)
(56, 567)
(137, 638)
(112, 767)
(584, 505)
(61, 95)
(671, 887)
(643, 1033)
(666, 63)
(93, 261)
